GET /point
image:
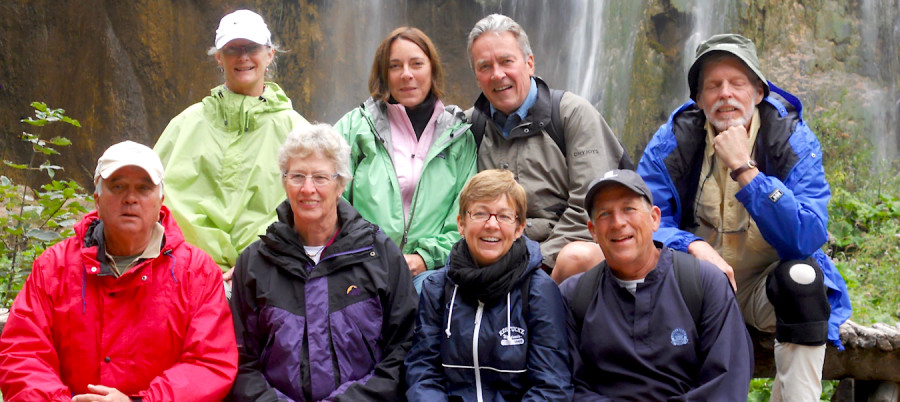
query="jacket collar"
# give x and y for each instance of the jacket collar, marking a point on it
(283, 246)
(89, 231)
(537, 118)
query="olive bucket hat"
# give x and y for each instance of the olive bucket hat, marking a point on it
(735, 44)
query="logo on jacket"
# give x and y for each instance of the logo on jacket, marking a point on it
(775, 195)
(352, 290)
(512, 336)
(679, 337)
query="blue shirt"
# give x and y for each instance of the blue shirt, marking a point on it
(522, 111)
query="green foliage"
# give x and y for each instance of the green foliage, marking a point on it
(864, 217)
(761, 390)
(32, 220)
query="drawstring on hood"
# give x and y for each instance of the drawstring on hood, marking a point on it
(508, 325)
(171, 267)
(450, 313)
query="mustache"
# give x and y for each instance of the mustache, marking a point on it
(728, 102)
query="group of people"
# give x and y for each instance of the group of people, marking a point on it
(418, 251)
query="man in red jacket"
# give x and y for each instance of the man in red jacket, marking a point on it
(124, 310)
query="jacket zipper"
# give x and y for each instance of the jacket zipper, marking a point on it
(475, 365)
(412, 209)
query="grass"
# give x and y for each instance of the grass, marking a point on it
(864, 218)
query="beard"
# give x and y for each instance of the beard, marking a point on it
(725, 124)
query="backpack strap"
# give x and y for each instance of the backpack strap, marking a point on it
(687, 274)
(556, 127)
(557, 133)
(478, 121)
(585, 290)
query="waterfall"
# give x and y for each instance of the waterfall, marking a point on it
(582, 46)
(709, 18)
(880, 33)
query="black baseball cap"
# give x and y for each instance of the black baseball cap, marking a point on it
(625, 177)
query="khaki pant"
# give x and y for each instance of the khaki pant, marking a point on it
(798, 367)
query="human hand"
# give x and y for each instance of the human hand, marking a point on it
(702, 250)
(732, 148)
(227, 275)
(416, 263)
(101, 394)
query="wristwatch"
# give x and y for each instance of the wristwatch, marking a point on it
(751, 164)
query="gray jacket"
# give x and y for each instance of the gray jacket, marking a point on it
(555, 184)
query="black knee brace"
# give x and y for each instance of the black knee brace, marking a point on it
(801, 310)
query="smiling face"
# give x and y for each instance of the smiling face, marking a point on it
(490, 240)
(245, 64)
(623, 226)
(727, 94)
(128, 204)
(503, 72)
(312, 205)
(409, 73)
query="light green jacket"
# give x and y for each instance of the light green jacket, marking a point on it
(375, 192)
(222, 180)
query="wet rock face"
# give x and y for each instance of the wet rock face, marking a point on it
(124, 69)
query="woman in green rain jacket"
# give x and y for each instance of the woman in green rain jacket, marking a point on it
(222, 179)
(410, 154)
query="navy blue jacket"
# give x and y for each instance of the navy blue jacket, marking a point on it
(647, 348)
(522, 353)
(788, 199)
(336, 330)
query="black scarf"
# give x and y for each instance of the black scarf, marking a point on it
(489, 283)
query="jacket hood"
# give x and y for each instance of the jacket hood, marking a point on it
(451, 121)
(173, 236)
(245, 113)
(284, 248)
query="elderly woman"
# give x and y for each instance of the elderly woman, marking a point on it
(221, 184)
(410, 154)
(491, 325)
(324, 305)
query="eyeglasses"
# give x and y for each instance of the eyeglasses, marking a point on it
(318, 179)
(251, 50)
(481, 216)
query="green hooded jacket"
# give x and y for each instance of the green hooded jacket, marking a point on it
(222, 180)
(375, 191)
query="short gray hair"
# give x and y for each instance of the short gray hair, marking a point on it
(98, 187)
(322, 138)
(498, 23)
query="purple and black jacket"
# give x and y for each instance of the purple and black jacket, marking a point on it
(336, 330)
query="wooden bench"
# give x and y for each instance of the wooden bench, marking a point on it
(868, 367)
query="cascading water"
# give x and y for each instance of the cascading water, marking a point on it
(709, 18)
(582, 46)
(881, 64)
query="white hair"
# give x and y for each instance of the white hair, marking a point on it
(498, 23)
(322, 138)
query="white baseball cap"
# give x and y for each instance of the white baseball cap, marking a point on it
(129, 153)
(242, 24)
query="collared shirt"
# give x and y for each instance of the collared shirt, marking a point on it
(152, 251)
(508, 121)
(723, 221)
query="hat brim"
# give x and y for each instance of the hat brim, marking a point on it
(258, 39)
(694, 72)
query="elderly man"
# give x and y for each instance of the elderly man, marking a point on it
(738, 176)
(554, 142)
(125, 309)
(649, 323)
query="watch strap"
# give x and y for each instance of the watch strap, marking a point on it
(751, 164)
